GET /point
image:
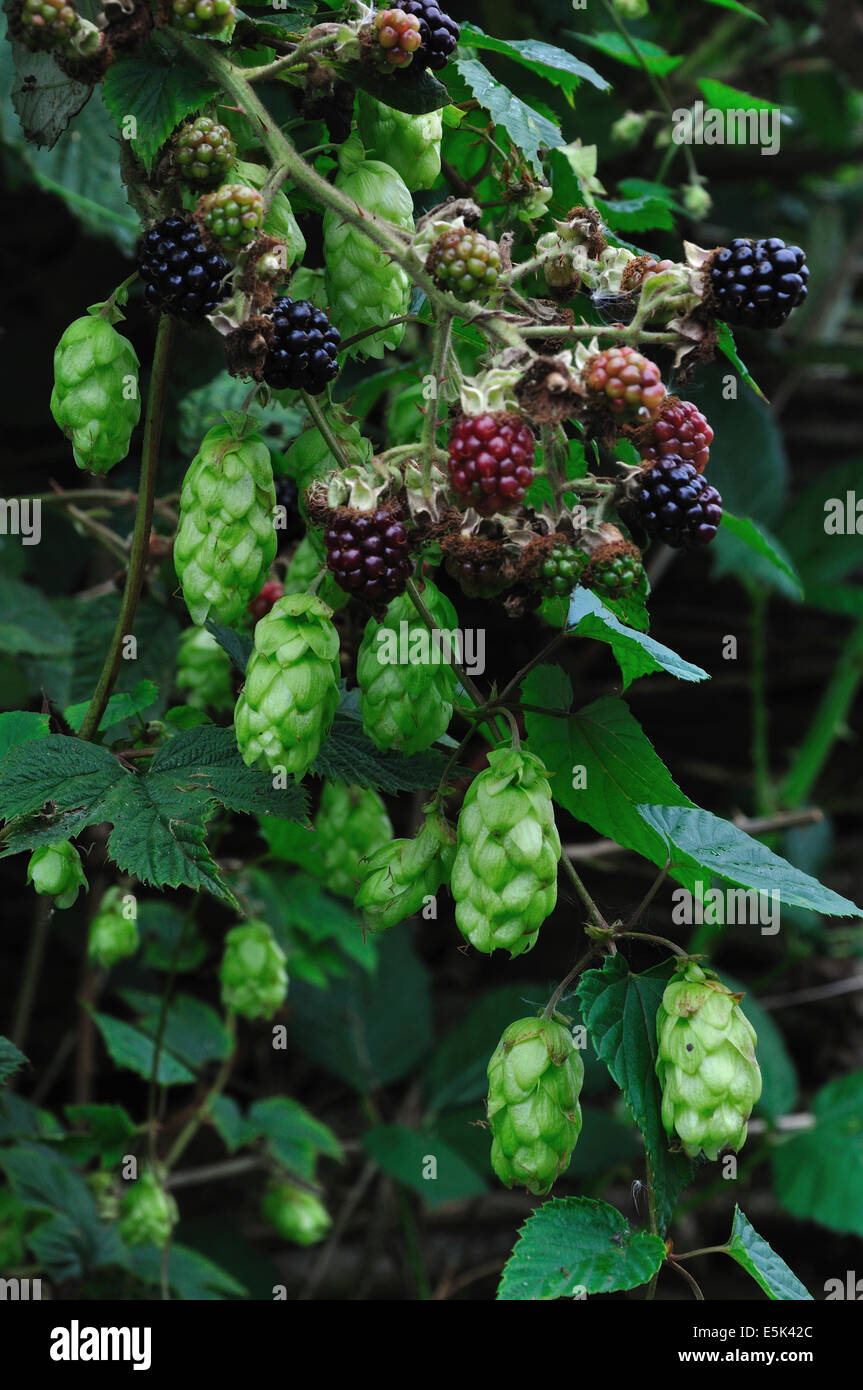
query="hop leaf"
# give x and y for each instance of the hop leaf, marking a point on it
(534, 1083)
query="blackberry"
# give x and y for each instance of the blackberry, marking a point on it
(758, 283)
(270, 594)
(203, 151)
(614, 570)
(369, 552)
(626, 383)
(682, 430)
(180, 275)
(46, 24)
(491, 461)
(439, 33)
(288, 496)
(560, 571)
(674, 504)
(478, 564)
(466, 263)
(398, 34)
(233, 214)
(302, 355)
(202, 16)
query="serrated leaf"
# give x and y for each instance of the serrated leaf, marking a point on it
(192, 1031)
(649, 55)
(191, 1275)
(159, 86)
(20, 726)
(724, 98)
(728, 852)
(575, 1244)
(818, 1175)
(635, 652)
(769, 1271)
(120, 707)
(404, 1154)
(554, 64)
(414, 92)
(300, 911)
(133, 1050)
(742, 543)
(619, 1011)
(295, 1136)
(75, 1239)
(348, 755)
(10, 1060)
(638, 214)
(228, 1119)
(527, 129)
(97, 1131)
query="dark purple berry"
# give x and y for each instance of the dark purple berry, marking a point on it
(369, 552)
(674, 504)
(304, 352)
(758, 283)
(439, 34)
(180, 275)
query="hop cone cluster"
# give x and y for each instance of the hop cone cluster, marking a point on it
(409, 144)
(113, 936)
(364, 286)
(226, 540)
(57, 872)
(287, 705)
(405, 694)
(252, 975)
(706, 1062)
(147, 1212)
(534, 1082)
(351, 823)
(397, 880)
(95, 399)
(504, 880)
(203, 670)
(296, 1214)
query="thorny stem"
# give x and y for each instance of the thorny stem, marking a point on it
(597, 330)
(323, 425)
(595, 914)
(290, 60)
(141, 534)
(430, 420)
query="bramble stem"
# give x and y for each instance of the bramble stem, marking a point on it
(428, 440)
(323, 425)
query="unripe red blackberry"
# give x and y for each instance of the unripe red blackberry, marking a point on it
(466, 263)
(491, 461)
(398, 34)
(478, 564)
(202, 16)
(303, 353)
(614, 570)
(180, 275)
(47, 24)
(270, 594)
(232, 214)
(682, 430)
(203, 151)
(758, 283)
(369, 552)
(674, 504)
(626, 383)
(438, 31)
(561, 570)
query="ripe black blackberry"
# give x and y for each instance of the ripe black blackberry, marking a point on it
(674, 504)
(758, 283)
(288, 496)
(303, 353)
(438, 31)
(369, 552)
(180, 275)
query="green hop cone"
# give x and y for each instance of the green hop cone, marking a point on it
(504, 880)
(351, 824)
(57, 872)
(226, 540)
(203, 670)
(534, 1082)
(409, 144)
(296, 1214)
(291, 692)
(364, 286)
(95, 399)
(113, 936)
(399, 878)
(706, 1062)
(406, 686)
(147, 1212)
(253, 976)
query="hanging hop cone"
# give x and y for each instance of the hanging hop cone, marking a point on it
(57, 872)
(409, 144)
(147, 1212)
(95, 399)
(113, 936)
(296, 1214)
(203, 670)
(399, 879)
(351, 823)
(252, 975)
(534, 1082)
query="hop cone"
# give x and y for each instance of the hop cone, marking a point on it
(203, 670)
(252, 975)
(351, 823)
(291, 693)
(147, 1212)
(534, 1082)
(226, 541)
(406, 703)
(95, 399)
(296, 1214)
(113, 936)
(706, 1062)
(364, 286)
(401, 875)
(409, 144)
(504, 879)
(56, 871)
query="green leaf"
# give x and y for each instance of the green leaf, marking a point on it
(168, 938)
(132, 1049)
(740, 9)
(724, 98)
(768, 1270)
(635, 652)
(526, 128)
(193, 1031)
(649, 55)
(10, 1060)
(554, 64)
(823, 557)
(619, 1011)
(295, 1137)
(414, 92)
(99, 1131)
(75, 1240)
(639, 214)
(405, 1153)
(298, 908)
(576, 1245)
(192, 1276)
(818, 1174)
(725, 343)
(238, 645)
(20, 726)
(743, 546)
(120, 707)
(348, 755)
(722, 849)
(29, 624)
(848, 602)
(456, 1072)
(159, 87)
(228, 1119)
(44, 98)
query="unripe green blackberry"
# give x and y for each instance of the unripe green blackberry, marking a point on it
(351, 823)
(560, 570)
(534, 1082)
(47, 24)
(147, 1213)
(253, 977)
(296, 1214)
(202, 16)
(398, 37)
(203, 670)
(113, 936)
(466, 263)
(232, 214)
(56, 871)
(203, 151)
(615, 569)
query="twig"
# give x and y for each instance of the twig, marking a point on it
(684, 1274)
(595, 914)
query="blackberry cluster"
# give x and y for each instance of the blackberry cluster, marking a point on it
(674, 504)
(398, 35)
(180, 275)
(682, 430)
(233, 214)
(270, 594)
(203, 151)
(202, 16)
(626, 383)
(491, 461)
(438, 32)
(466, 263)
(288, 496)
(561, 570)
(303, 353)
(46, 24)
(758, 283)
(369, 552)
